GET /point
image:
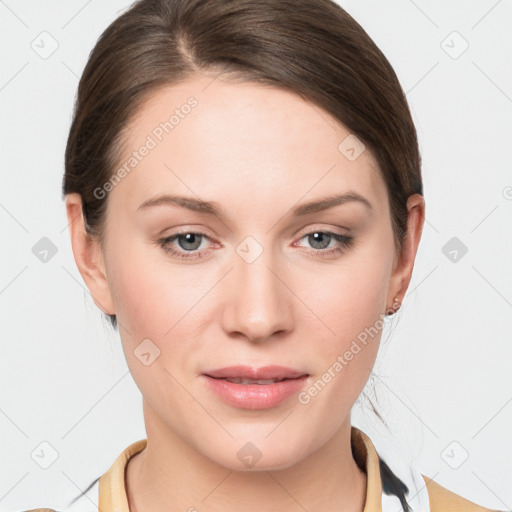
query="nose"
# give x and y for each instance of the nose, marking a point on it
(258, 302)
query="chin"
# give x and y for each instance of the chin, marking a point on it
(269, 463)
(242, 454)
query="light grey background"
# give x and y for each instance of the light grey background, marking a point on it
(443, 376)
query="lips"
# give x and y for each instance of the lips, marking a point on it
(242, 380)
(255, 388)
(274, 373)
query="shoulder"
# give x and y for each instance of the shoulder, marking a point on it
(443, 500)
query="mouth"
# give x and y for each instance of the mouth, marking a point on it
(242, 380)
(245, 387)
(272, 373)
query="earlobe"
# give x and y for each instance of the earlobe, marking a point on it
(402, 273)
(88, 255)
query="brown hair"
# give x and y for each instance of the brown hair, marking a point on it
(311, 47)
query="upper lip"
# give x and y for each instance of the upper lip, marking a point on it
(262, 373)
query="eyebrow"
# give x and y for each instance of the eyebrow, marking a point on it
(213, 208)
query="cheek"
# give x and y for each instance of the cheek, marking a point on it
(351, 307)
(154, 307)
(158, 301)
(149, 293)
(354, 296)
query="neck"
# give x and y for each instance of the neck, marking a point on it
(169, 475)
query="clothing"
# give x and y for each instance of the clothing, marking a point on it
(387, 490)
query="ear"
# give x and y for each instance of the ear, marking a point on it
(402, 271)
(88, 255)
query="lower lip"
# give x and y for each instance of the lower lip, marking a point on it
(255, 396)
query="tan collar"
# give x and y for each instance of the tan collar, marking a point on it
(112, 490)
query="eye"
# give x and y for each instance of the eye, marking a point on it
(188, 242)
(187, 245)
(321, 240)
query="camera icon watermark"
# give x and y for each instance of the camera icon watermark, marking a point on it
(45, 45)
(44, 455)
(44, 250)
(351, 147)
(454, 45)
(249, 454)
(454, 249)
(147, 352)
(455, 455)
(249, 249)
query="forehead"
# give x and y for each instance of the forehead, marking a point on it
(225, 140)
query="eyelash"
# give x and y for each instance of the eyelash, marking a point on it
(345, 242)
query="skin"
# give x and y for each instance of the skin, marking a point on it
(259, 152)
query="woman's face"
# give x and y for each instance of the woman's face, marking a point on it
(251, 284)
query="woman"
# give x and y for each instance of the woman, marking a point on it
(243, 186)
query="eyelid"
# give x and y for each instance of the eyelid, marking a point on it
(319, 227)
(296, 234)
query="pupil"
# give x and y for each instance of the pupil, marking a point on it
(318, 238)
(189, 242)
